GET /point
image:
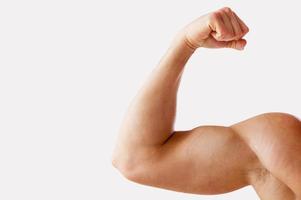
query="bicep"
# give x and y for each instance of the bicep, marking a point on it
(202, 160)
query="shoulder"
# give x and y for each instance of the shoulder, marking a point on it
(275, 138)
(271, 118)
(279, 119)
(272, 124)
(271, 135)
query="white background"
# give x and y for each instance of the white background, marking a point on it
(68, 70)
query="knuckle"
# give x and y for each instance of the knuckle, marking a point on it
(227, 9)
(214, 16)
(238, 32)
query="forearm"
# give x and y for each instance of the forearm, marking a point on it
(150, 116)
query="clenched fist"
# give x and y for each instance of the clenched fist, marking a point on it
(219, 29)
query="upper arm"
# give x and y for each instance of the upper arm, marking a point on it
(202, 160)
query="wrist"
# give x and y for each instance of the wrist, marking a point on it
(182, 40)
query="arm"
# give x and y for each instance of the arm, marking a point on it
(150, 151)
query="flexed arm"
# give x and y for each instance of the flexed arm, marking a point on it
(147, 140)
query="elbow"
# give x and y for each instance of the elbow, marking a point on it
(129, 169)
(123, 168)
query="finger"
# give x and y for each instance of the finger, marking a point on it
(228, 25)
(217, 26)
(243, 26)
(235, 24)
(236, 44)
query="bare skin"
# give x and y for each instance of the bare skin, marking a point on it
(263, 151)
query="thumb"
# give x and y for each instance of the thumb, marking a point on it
(235, 44)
